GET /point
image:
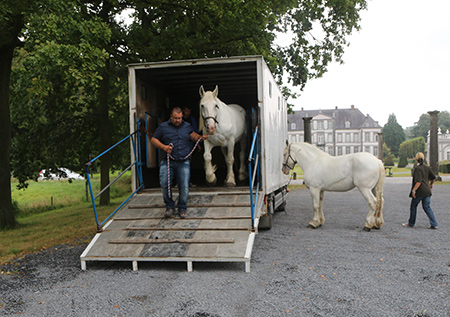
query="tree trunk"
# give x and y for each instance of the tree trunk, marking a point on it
(104, 131)
(7, 219)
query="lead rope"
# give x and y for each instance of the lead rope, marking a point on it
(169, 156)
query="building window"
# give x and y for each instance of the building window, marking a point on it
(448, 155)
(293, 126)
(339, 137)
(356, 149)
(325, 124)
(339, 150)
(347, 124)
(320, 125)
(375, 150)
(367, 149)
(293, 138)
(330, 150)
(375, 137)
(301, 138)
(367, 137)
(347, 138)
(347, 150)
(320, 138)
(314, 125)
(356, 137)
(330, 137)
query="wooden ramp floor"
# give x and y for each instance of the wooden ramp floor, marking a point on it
(217, 229)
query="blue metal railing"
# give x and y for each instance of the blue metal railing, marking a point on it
(253, 171)
(134, 137)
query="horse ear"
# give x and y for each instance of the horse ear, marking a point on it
(201, 91)
(287, 142)
(216, 91)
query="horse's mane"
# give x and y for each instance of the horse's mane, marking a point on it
(311, 148)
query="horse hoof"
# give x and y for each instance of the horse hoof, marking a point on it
(367, 229)
(230, 185)
(211, 184)
(310, 226)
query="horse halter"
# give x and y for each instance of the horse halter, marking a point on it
(287, 160)
(210, 117)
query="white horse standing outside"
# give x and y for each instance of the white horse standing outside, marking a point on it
(226, 126)
(323, 172)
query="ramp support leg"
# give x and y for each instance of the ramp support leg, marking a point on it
(83, 265)
(247, 267)
(189, 266)
(135, 266)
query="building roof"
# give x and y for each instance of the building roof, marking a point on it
(356, 118)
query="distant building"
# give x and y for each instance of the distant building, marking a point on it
(337, 131)
(443, 145)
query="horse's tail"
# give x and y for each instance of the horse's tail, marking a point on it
(379, 196)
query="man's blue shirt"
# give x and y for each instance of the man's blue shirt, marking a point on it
(179, 136)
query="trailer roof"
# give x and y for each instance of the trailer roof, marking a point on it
(233, 75)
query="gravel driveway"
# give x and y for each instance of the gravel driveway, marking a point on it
(336, 270)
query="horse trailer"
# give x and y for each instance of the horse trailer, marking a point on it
(221, 222)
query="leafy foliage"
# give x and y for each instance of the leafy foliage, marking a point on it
(393, 134)
(388, 156)
(54, 84)
(402, 162)
(410, 148)
(422, 126)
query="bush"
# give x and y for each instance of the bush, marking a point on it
(389, 161)
(444, 166)
(402, 162)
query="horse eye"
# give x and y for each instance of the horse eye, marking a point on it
(217, 106)
(202, 106)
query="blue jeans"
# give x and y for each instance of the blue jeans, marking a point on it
(426, 207)
(181, 170)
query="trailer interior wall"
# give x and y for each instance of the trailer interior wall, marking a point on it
(156, 88)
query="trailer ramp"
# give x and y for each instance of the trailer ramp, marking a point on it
(217, 229)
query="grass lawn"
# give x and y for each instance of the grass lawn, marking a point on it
(68, 220)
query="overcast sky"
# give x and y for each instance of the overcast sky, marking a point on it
(399, 62)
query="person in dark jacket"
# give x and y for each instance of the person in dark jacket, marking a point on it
(422, 184)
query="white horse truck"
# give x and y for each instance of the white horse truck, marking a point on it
(221, 222)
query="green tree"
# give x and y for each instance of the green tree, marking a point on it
(410, 148)
(204, 28)
(75, 54)
(66, 92)
(422, 126)
(388, 156)
(393, 134)
(54, 79)
(11, 22)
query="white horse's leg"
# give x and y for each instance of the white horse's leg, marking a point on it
(371, 201)
(316, 195)
(379, 220)
(243, 173)
(321, 216)
(229, 158)
(209, 169)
